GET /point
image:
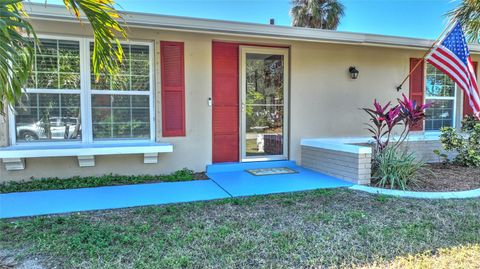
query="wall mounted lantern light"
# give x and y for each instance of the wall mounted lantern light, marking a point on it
(353, 72)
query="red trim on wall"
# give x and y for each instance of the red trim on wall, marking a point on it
(225, 97)
(173, 88)
(417, 86)
(467, 109)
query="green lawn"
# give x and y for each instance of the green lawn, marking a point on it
(319, 229)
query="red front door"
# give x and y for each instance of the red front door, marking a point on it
(225, 75)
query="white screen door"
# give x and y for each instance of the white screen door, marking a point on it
(264, 94)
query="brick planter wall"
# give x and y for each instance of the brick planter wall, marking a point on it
(353, 167)
(348, 159)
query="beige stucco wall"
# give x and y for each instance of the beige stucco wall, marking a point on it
(324, 100)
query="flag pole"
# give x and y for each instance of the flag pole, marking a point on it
(440, 37)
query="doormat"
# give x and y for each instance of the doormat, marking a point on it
(271, 171)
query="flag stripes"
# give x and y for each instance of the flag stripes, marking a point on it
(452, 57)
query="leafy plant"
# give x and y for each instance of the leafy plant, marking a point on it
(322, 14)
(468, 123)
(466, 144)
(93, 181)
(390, 165)
(384, 119)
(16, 48)
(16, 51)
(468, 14)
(442, 156)
(396, 168)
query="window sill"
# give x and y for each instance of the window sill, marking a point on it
(14, 156)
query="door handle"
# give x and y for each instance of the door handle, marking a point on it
(243, 107)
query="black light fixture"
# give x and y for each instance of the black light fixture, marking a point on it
(353, 72)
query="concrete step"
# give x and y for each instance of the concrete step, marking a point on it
(232, 167)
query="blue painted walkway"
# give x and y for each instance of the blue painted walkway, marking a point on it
(233, 179)
(23, 204)
(227, 180)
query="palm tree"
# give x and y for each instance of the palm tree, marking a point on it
(468, 14)
(17, 48)
(322, 14)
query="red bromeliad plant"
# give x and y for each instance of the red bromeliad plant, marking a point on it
(384, 119)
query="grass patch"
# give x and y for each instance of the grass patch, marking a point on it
(86, 182)
(317, 229)
(463, 257)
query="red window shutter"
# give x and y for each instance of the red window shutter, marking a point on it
(225, 113)
(467, 109)
(173, 88)
(417, 85)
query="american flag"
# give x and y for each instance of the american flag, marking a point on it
(452, 57)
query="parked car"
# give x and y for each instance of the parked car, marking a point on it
(60, 128)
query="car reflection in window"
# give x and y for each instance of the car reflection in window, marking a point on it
(56, 128)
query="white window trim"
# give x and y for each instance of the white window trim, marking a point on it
(453, 98)
(85, 98)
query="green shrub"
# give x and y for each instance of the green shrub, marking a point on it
(180, 175)
(395, 168)
(443, 158)
(466, 144)
(92, 181)
(468, 123)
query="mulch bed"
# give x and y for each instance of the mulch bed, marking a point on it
(447, 177)
(440, 177)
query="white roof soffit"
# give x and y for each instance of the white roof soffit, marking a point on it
(155, 21)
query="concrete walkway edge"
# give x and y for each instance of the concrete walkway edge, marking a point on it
(419, 195)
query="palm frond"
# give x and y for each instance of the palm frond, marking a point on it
(16, 51)
(468, 14)
(17, 48)
(322, 14)
(105, 21)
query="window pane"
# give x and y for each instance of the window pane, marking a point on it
(438, 84)
(264, 127)
(120, 116)
(69, 81)
(47, 80)
(68, 48)
(48, 117)
(139, 52)
(440, 114)
(134, 73)
(47, 63)
(47, 47)
(140, 67)
(140, 83)
(121, 83)
(440, 90)
(264, 78)
(103, 83)
(69, 64)
(57, 65)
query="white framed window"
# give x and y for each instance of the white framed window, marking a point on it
(65, 103)
(441, 90)
(120, 104)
